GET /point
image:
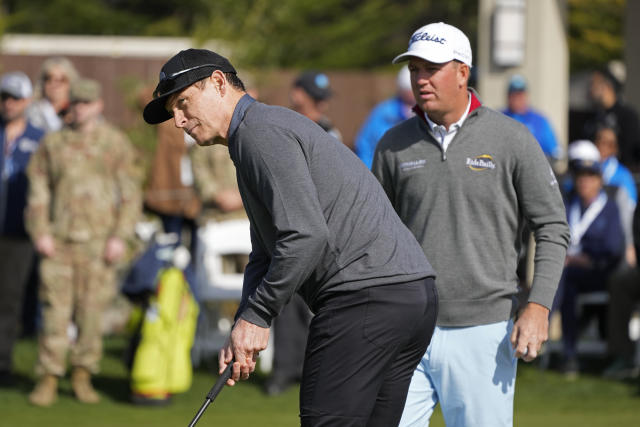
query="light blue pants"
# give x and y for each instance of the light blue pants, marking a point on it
(471, 371)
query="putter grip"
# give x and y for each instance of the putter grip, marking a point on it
(226, 374)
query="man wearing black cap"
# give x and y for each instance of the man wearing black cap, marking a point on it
(320, 226)
(309, 95)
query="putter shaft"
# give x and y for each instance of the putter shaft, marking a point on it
(215, 390)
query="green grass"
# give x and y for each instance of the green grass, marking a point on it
(543, 399)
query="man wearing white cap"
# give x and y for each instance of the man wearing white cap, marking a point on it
(466, 179)
(18, 140)
(596, 247)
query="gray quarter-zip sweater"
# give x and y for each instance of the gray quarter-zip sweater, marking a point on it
(320, 222)
(468, 206)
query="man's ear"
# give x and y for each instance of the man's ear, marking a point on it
(219, 81)
(463, 74)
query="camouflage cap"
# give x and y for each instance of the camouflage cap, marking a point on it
(86, 90)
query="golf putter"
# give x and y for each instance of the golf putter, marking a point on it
(215, 390)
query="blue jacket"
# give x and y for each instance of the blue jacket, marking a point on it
(13, 185)
(617, 175)
(539, 126)
(604, 240)
(383, 117)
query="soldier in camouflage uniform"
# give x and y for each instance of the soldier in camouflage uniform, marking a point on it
(216, 184)
(83, 202)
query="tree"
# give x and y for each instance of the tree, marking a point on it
(302, 33)
(271, 33)
(328, 34)
(101, 17)
(596, 32)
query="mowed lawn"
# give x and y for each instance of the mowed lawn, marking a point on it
(543, 399)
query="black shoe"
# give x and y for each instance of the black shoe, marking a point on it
(276, 385)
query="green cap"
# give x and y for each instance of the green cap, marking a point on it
(86, 90)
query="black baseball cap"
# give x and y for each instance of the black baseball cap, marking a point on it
(316, 84)
(517, 83)
(184, 69)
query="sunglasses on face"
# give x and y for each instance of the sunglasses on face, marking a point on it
(167, 81)
(4, 96)
(55, 79)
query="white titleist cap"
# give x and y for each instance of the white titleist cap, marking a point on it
(438, 43)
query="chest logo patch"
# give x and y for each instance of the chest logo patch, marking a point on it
(481, 163)
(413, 164)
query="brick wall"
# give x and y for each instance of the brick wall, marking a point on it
(355, 92)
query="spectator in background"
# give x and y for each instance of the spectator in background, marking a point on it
(596, 245)
(624, 294)
(83, 204)
(611, 112)
(19, 139)
(216, 186)
(518, 108)
(170, 191)
(613, 172)
(50, 109)
(618, 178)
(309, 96)
(384, 116)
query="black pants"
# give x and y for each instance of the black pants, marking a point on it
(574, 281)
(624, 294)
(16, 258)
(290, 330)
(362, 350)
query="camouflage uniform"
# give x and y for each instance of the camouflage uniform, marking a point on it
(83, 190)
(213, 172)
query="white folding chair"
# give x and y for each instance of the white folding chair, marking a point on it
(215, 240)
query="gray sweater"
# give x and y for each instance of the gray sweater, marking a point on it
(320, 222)
(468, 206)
